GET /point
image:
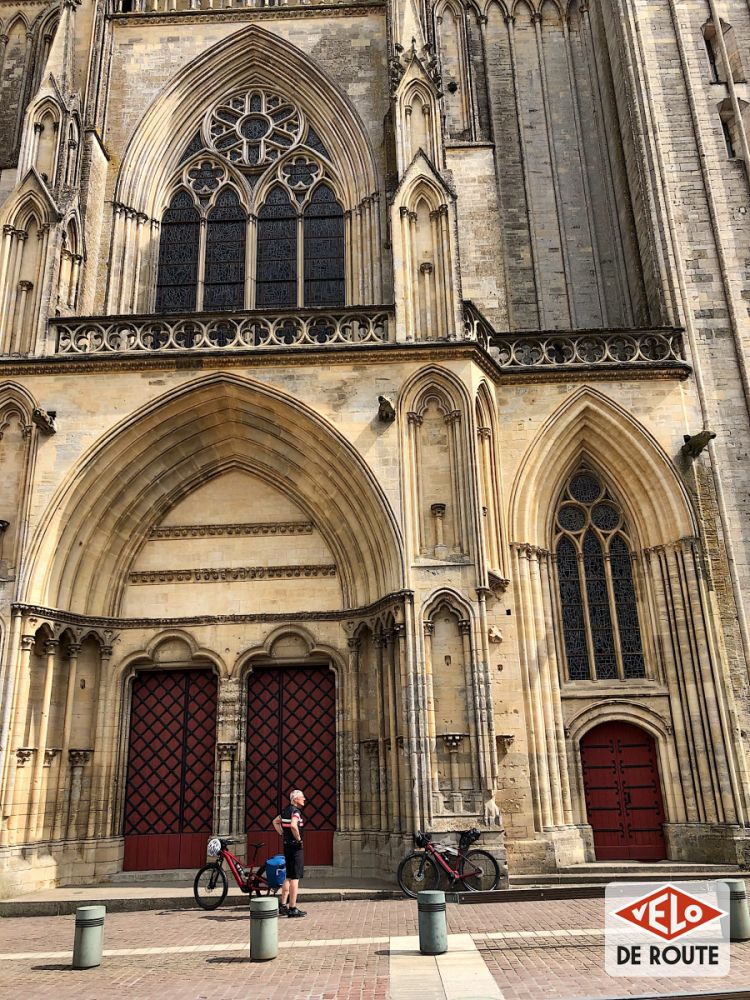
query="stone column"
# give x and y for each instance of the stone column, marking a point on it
(78, 760)
(225, 758)
(452, 742)
(73, 650)
(50, 647)
(353, 785)
(105, 750)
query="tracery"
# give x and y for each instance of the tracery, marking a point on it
(255, 184)
(595, 577)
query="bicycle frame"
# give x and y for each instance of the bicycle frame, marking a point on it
(452, 873)
(253, 880)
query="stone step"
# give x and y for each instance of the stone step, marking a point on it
(645, 874)
(652, 866)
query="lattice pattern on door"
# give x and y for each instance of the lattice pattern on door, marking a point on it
(291, 743)
(170, 780)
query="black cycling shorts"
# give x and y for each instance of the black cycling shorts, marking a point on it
(295, 860)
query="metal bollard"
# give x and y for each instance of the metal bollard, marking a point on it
(264, 928)
(433, 929)
(89, 937)
(739, 917)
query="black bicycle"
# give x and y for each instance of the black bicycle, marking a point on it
(477, 869)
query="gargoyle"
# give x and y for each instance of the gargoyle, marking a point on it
(695, 443)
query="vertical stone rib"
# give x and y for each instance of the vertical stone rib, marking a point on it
(544, 689)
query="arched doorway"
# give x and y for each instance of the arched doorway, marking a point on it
(169, 791)
(623, 793)
(291, 743)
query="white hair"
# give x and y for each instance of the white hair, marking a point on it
(293, 795)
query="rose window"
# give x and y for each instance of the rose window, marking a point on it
(254, 129)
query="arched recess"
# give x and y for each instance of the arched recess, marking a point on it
(587, 424)
(674, 607)
(459, 717)
(101, 517)
(490, 495)
(436, 423)
(251, 58)
(427, 288)
(16, 407)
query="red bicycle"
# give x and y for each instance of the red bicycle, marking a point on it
(211, 886)
(419, 871)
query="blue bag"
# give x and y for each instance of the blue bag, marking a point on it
(276, 871)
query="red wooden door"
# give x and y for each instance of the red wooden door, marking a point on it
(169, 793)
(291, 743)
(623, 793)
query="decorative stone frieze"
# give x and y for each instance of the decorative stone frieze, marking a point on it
(221, 530)
(231, 573)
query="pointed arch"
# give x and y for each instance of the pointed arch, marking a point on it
(251, 56)
(93, 528)
(644, 478)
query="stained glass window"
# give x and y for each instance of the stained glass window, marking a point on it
(574, 628)
(276, 284)
(177, 277)
(627, 616)
(224, 282)
(324, 249)
(600, 621)
(598, 600)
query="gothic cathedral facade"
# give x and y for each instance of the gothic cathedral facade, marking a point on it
(374, 419)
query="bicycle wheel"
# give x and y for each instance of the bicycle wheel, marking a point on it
(416, 873)
(482, 871)
(210, 887)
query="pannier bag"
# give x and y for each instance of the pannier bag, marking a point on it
(276, 871)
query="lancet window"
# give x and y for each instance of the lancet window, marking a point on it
(600, 624)
(255, 220)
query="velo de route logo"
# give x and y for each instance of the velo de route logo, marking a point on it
(676, 930)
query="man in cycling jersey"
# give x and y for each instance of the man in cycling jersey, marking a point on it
(290, 825)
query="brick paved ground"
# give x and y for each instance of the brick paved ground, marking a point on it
(530, 970)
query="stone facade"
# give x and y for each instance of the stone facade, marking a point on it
(539, 220)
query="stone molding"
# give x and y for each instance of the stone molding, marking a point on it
(233, 573)
(345, 615)
(219, 530)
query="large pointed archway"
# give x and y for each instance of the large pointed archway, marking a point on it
(100, 519)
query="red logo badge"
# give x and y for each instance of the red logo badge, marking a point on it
(668, 913)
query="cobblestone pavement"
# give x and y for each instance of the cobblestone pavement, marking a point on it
(547, 963)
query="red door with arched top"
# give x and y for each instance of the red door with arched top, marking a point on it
(623, 793)
(169, 792)
(291, 743)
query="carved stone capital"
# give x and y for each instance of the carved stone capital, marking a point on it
(452, 741)
(49, 755)
(429, 628)
(27, 642)
(464, 626)
(79, 758)
(24, 754)
(226, 751)
(504, 741)
(354, 642)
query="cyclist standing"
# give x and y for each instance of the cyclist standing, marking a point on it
(289, 824)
